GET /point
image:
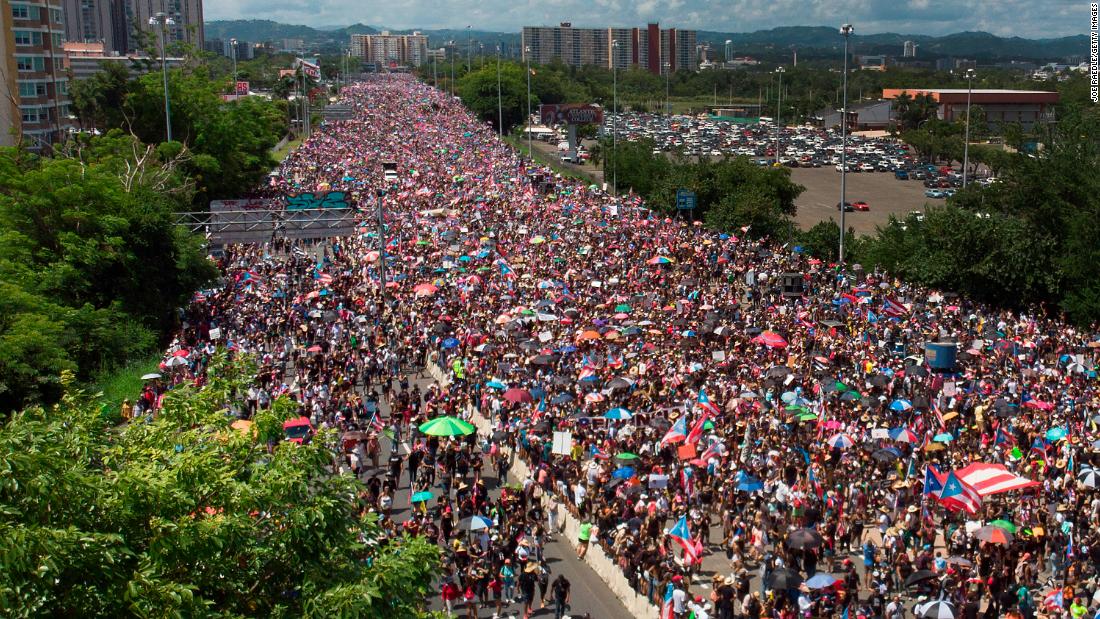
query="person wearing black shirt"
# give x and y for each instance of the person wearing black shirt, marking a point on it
(560, 590)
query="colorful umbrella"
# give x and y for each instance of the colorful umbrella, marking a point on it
(618, 413)
(660, 260)
(447, 426)
(516, 396)
(994, 535)
(841, 441)
(1056, 434)
(903, 435)
(1004, 524)
(626, 455)
(421, 497)
(424, 290)
(901, 405)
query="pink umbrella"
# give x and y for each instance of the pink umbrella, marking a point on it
(833, 424)
(314, 348)
(424, 290)
(771, 339)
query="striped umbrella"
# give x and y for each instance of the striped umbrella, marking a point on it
(841, 441)
(904, 435)
(1088, 477)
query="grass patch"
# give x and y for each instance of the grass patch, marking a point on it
(280, 153)
(123, 382)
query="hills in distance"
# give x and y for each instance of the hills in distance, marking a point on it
(976, 45)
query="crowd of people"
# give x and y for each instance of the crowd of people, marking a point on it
(751, 432)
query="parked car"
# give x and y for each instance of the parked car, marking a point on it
(933, 193)
(860, 205)
(901, 175)
(848, 208)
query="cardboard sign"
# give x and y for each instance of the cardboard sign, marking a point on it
(216, 333)
(686, 452)
(718, 355)
(563, 443)
(880, 433)
(546, 336)
(658, 481)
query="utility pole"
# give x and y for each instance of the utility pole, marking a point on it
(162, 21)
(778, 112)
(615, 120)
(500, 105)
(381, 247)
(845, 31)
(527, 57)
(966, 137)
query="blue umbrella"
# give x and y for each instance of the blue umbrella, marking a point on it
(788, 397)
(944, 437)
(821, 580)
(561, 398)
(495, 384)
(567, 349)
(748, 483)
(618, 413)
(1056, 434)
(624, 473)
(450, 343)
(901, 405)
(538, 393)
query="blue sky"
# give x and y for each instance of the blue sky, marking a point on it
(1026, 18)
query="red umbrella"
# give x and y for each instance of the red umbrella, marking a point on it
(994, 535)
(518, 395)
(423, 290)
(314, 348)
(771, 339)
(181, 353)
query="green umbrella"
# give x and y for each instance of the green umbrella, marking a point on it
(794, 408)
(626, 455)
(807, 417)
(446, 426)
(709, 425)
(622, 307)
(841, 387)
(1004, 524)
(421, 497)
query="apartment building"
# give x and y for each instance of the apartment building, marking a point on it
(391, 49)
(650, 47)
(35, 107)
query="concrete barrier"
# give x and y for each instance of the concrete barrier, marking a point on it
(606, 567)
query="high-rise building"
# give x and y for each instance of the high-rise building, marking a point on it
(648, 47)
(36, 101)
(394, 49)
(96, 21)
(909, 50)
(187, 26)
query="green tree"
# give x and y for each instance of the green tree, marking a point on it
(182, 515)
(479, 92)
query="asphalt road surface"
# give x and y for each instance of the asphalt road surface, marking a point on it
(588, 593)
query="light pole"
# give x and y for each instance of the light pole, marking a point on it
(233, 51)
(845, 31)
(500, 105)
(163, 21)
(469, 51)
(527, 57)
(966, 136)
(668, 101)
(614, 118)
(778, 112)
(453, 67)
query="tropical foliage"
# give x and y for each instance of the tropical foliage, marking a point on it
(186, 515)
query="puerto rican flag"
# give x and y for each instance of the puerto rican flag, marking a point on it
(677, 432)
(682, 536)
(893, 307)
(696, 433)
(704, 403)
(600, 453)
(614, 361)
(376, 422)
(666, 606)
(933, 481)
(957, 494)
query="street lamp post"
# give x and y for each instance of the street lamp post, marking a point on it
(668, 100)
(845, 31)
(614, 118)
(233, 51)
(469, 51)
(778, 112)
(500, 105)
(527, 57)
(162, 20)
(453, 67)
(966, 136)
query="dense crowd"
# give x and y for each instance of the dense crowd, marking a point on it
(741, 442)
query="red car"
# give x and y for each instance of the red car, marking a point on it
(298, 430)
(860, 205)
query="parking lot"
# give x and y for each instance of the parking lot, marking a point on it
(880, 190)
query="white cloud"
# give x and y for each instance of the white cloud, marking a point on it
(1024, 18)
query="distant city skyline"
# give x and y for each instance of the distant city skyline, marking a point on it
(1021, 18)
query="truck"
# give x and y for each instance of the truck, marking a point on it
(389, 171)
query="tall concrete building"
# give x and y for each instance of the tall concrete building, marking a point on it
(649, 48)
(96, 21)
(36, 90)
(909, 50)
(395, 49)
(187, 15)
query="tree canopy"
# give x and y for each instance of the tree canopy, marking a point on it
(184, 515)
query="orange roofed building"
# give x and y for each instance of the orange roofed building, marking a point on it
(1026, 107)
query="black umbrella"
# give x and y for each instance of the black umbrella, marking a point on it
(802, 539)
(530, 345)
(545, 360)
(778, 371)
(879, 380)
(619, 383)
(561, 398)
(784, 579)
(849, 396)
(886, 455)
(918, 577)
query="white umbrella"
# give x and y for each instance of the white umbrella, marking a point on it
(174, 361)
(150, 376)
(937, 609)
(1089, 477)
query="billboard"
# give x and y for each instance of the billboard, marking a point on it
(571, 114)
(242, 88)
